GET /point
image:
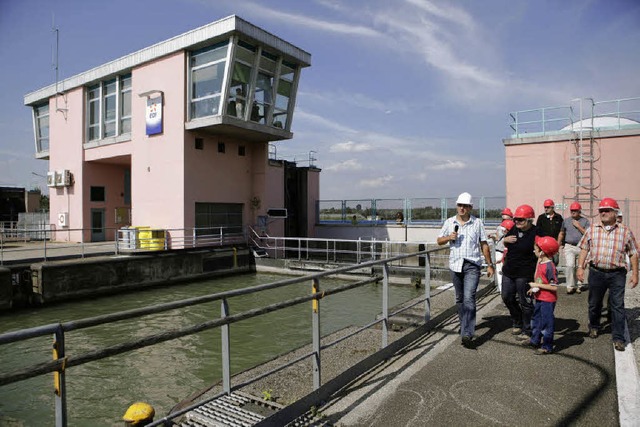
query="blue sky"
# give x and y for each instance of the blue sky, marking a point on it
(404, 98)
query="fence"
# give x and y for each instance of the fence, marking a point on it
(62, 361)
(604, 115)
(432, 211)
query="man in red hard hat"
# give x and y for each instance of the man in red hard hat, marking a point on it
(549, 223)
(570, 234)
(605, 246)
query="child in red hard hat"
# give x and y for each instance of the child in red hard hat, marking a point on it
(544, 288)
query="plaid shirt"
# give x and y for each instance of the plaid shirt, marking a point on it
(467, 245)
(607, 249)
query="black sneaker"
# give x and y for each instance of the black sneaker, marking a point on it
(466, 342)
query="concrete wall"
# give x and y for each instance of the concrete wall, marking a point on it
(391, 231)
(5, 288)
(65, 280)
(539, 168)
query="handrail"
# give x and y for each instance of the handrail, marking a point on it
(59, 365)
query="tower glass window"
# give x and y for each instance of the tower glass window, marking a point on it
(283, 95)
(41, 118)
(207, 67)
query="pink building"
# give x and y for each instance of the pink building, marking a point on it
(176, 137)
(583, 151)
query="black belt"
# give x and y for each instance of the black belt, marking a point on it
(607, 270)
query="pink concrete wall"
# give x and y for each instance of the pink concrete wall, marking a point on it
(66, 134)
(541, 170)
(157, 162)
(215, 177)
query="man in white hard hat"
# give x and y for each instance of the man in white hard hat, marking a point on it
(468, 239)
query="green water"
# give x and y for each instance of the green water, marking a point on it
(99, 392)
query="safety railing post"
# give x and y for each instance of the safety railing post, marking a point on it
(315, 325)
(427, 287)
(45, 248)
(226, 356)
(358, 246)
(82, 243)
(59, 384)
(299, 249)
(385, 304)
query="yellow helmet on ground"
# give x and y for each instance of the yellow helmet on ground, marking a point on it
(139, 414)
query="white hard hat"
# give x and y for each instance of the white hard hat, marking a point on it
(464, 199)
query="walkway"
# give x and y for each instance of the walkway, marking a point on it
(438, 382)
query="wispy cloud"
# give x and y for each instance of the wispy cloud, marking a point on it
(347, 165)
(449, 164)
(349, 147)
(376, 182)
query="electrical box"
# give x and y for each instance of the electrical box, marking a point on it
(59, 180)
(63, 219)
(62, 178)
(66, 177)
(51, 179)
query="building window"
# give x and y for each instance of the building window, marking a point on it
(216, 218)
(221, 147)
(283, 95)
(41, 120)
(109, 108)
(97, 194)
(206, 73)
(241, 150)
(199, 144)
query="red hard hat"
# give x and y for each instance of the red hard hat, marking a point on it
(608, 203)
(548, 203)
(575, 206)
(548, 245)
(524, 211)
(507, 211)
(508, 224)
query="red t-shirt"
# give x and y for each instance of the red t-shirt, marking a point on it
(546, 273)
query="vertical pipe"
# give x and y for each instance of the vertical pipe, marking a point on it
(82, 244)
(315, 317)
(226, 357)
(59, 384)
(385, 304)
(427, 287)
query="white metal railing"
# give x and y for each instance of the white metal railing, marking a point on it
(340, 250)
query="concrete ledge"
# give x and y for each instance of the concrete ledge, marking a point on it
(64, 280)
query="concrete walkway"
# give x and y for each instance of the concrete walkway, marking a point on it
(438, 382)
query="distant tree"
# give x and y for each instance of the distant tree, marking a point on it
(44, 203)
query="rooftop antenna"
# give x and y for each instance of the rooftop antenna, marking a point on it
(54, 61)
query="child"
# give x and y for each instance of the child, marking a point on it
(545, 290)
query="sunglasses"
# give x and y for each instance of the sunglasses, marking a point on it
(520, 219)
(606, 210)
(464, 206)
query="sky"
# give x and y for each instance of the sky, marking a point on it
(403, 98)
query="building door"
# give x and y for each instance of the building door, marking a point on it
(97, 225)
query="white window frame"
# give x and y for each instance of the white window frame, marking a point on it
(101, 103)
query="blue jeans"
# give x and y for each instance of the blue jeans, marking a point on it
(520, 307)
(599, 282)
(543, 324)
(465, 284)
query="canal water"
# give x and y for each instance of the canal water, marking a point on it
(99, 392)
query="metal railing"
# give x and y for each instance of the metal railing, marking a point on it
(17, 245)
(431, 211)
(561, 119)
(143, 239)
(62, 361)
(341, 251)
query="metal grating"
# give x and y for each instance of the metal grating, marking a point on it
(236, 409)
